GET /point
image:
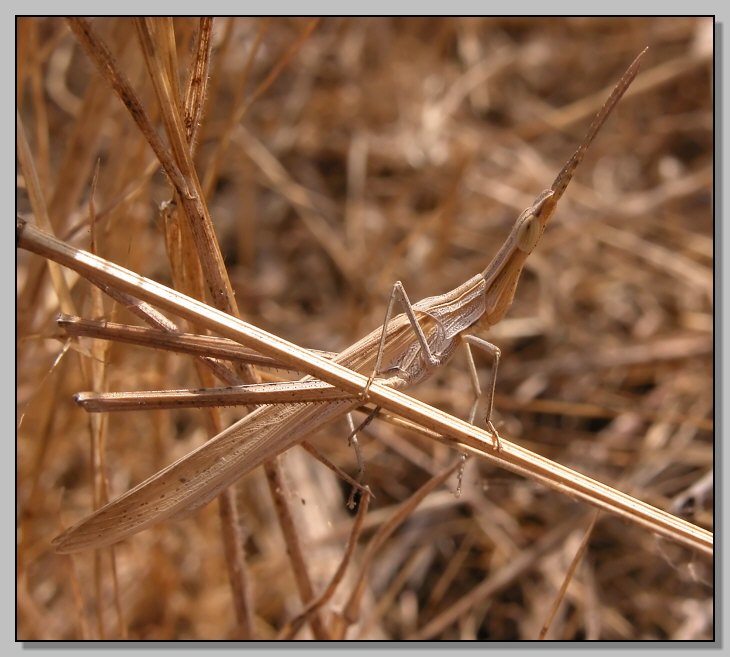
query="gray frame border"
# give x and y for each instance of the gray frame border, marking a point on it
(376, 7)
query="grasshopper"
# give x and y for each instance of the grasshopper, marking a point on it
(405, 350)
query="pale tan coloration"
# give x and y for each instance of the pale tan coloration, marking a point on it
(198, 477)
(201, 475)
(426, 419)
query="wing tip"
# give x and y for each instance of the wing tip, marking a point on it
(71, 540)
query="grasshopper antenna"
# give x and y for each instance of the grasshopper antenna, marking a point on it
(566, 173)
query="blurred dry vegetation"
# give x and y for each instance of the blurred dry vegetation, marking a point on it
(339, 156)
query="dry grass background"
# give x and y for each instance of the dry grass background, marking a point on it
(367, 151)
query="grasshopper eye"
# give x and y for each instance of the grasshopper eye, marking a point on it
(528, 234)
(530, 227)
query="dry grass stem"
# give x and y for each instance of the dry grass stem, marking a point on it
(569, 576)
(553, 474)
